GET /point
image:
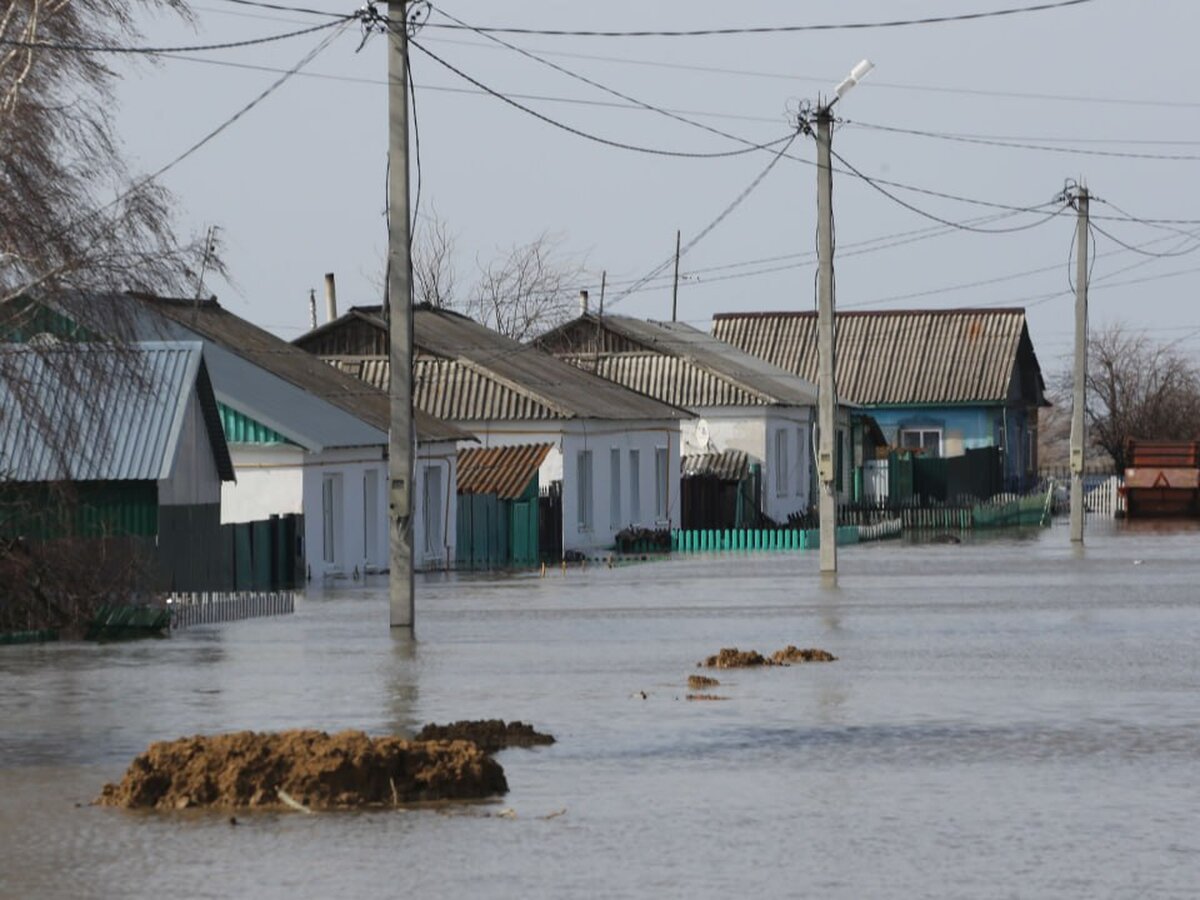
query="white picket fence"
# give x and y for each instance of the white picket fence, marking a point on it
(1102, 496)
(875, 480)
(209, 608)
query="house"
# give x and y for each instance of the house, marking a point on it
(938, 382)
(498, 500)
(748, 414)
(116, 441)
(305, 438)
(615, 453)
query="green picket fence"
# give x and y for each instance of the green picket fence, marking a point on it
(703, 540)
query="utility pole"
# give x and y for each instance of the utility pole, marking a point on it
(401, 439)
(1079, 377)
(675, 290)
(826, 386)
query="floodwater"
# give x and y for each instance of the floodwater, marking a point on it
(1008, 718)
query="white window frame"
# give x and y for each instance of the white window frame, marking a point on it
(922, 431)
(781, 462)
(370, 514)
(331, 516)
(635, 486)
(584, 494)
(431, 485)
(662, 483)
(801, 469)
(614, 488)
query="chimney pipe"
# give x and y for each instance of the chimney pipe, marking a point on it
(312, 308)
(583, 303)
(330, 297)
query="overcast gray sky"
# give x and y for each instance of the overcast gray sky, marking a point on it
(297, 185)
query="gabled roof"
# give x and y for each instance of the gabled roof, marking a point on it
(675, 363)
(102, 412)
(900, 358)
(503, 471)
(360, 416)
(729, 465)
(468, 372)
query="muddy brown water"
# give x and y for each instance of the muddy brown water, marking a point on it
(1007, 718)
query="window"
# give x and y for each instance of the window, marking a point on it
(661, 483)
(635, 486)
(432, 500)
(370, 515)
(584, 482)
(781, 463)
(330, 501)
(614, 488)
(839, 460)
(801, 457)
(928, 440)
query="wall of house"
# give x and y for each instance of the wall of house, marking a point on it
(350, 533)
(962, 427)
(269, 482)
(194, 478)
(571, 437)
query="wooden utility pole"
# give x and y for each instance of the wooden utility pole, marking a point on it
(401, 439)
(1079, 376)
(826, 387)
(675, 289)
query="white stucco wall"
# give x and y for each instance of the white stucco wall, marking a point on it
(194, 478)
(269, 482)
(569, 438)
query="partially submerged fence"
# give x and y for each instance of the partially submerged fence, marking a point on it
(703, 540)
(209, 608)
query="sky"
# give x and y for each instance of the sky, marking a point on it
(1098, 92)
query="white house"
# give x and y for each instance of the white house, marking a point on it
(305, 438)
(615, 453)
(739, 403)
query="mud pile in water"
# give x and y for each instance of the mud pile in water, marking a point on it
(733, 658)
(791, 654)
(310, 768)
(697, 682)
(489, 735)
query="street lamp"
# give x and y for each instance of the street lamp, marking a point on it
(826, 384)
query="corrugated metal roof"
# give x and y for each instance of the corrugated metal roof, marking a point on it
(730, 465)
(670, 379)
(367, 411)
(100, 412)
(503, 471)
(710, 362)
(507, 378)
(896, 358)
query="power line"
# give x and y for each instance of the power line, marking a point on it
(779, 29)
(1015, 145)
(281, 8)
(154, 51)
(654, 151)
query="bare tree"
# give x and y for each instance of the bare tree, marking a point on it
(434, 277)
(1136, 388)
(529, 290)
(71, 214)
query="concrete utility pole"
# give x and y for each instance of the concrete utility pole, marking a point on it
(826, 386)
(1079, 377)
(401, 440)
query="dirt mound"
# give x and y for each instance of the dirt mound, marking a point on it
(790, 654)
(489, 735)
(696, 682)
(733, 658)
(308, 768)
(705, 697)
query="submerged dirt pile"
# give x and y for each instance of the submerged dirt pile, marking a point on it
(733, 658)
(791, 654)
(488, 735)
(309, 768)
(696, 682)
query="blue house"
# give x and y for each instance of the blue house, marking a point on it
(938, 382)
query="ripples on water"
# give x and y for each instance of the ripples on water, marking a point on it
(1008, 718)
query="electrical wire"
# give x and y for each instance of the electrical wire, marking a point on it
(782, 29)
(1016, 145)
(1092, 226)
(877, 185)
(194, 48)
(281, 8)
(704, 232)
(597, 138)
